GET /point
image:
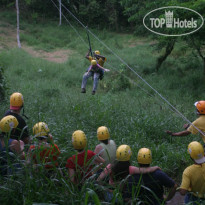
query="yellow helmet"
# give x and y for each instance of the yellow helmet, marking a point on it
(200, 105)
(79, 140)
(7, 123)
(40, 129)
(97, 52)
(16, 101)
(196, 151)
(123, 153)
(103, 133)
(93, 62)
(144, 156)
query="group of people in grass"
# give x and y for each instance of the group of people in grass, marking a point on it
(106, 164)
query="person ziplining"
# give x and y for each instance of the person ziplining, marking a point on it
(95, 70)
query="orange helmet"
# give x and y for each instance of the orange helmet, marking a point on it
(200, 105)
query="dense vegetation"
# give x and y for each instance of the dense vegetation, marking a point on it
(134, 113)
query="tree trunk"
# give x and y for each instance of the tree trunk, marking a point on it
(162, 58)
(17, 16)
(204, 65)
(198, 49)
(60, 16)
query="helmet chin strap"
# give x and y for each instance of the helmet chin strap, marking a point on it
(24, 114)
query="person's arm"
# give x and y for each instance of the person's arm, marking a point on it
(105, 69)
(143, 170)
(99, 56)
(87, 55)
(105, 172)
(171, 192)
(186, 182)
(98, 150)
(182, 191)
(29, 156)
(71, 173)
(182, 133)
(17, 147)
(99, 160)
(90, 68)
(50, 139)
(186, 126)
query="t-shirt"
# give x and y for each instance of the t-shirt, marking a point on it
(46, 154)
(21, 131)
(108, 171)
(148, 187)
(193, 179)
(81, 163)
(200, 124)
(109, 153)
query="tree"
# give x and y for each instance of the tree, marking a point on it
(60, 15)
(17, 16)
(197, 39)
(169, 46)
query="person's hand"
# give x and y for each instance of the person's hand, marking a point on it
(21, 145)
(107, 70)
(169, 132)
(156, 167)
(50, 138)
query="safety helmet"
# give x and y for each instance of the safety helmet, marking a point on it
(196, 151)
(93, 62)
(41, 129)
(123, 153)
(103, 133)
(7, 123)
(79, 140)
(97, 52)
(200, 105)
(16, 101)
(144, 156)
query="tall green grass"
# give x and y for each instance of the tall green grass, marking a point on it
(52, 94)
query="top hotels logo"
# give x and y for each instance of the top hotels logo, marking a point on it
(163, 21)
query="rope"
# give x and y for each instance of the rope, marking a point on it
(70, 23)
(118, 57)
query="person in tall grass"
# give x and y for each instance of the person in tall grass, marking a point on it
(193, 179)
(107, 147)
(94, 71)
(198, 124)
(45, 152)
(121, 169)
(148, 187)
(16, 105)
(8, 163)
(82, 165)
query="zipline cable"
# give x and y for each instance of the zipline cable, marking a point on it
(118, 57)
(70, 23)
